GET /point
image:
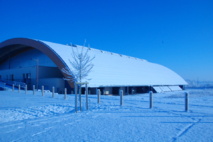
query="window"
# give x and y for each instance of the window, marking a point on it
(12, 77)
(28, 75)
(24, 78)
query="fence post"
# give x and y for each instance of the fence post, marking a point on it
(53, 92)
(42, 90)
(33, 89)
(13, 88)
(25, 89)
(76, 99)
(80, 98)
(98, 95)
(121, 97)
(150, 99)
(87, 105)
(186, 101)
(65, 93)
(19, 88)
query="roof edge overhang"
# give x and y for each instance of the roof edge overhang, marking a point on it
(39, 45)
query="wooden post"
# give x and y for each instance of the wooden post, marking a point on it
(42, 90)
(121, 97)
(13, 88)
(33, 89)
(19, 88)
(186, 101)
(150, 99)
(80, 98)
(76, 99)
(87, 104)
(26, 89)
(65, 93)
(98, 95)
(53, 92)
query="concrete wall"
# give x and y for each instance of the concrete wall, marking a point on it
(18, 73)
(49, 72)
(48, 83)
(47, 75)
(23, 68)
(44, 72)
(27, 59)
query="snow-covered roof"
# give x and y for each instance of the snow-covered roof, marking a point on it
(111, 69)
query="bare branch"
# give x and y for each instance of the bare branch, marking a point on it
(81, 65)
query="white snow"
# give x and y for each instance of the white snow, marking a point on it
(28, 117)
(111, 69)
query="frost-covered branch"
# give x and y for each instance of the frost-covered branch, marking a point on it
(70, 76)
(81, 65)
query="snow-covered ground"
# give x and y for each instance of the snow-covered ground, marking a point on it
(28, 117)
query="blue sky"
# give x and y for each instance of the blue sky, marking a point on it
(175, 33)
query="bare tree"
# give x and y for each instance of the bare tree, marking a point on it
(81, 65)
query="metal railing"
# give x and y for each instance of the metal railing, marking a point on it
(10, 83)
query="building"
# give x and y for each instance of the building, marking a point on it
(37, 62)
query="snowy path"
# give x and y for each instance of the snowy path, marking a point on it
(36, 118)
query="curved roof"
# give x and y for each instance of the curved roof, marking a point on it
(110, 69)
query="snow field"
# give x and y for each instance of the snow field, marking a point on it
(28, 117)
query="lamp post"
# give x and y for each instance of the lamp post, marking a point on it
(37, 72)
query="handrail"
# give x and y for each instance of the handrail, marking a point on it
(16, 83)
